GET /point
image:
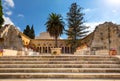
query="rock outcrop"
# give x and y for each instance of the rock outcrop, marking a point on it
(105, 36)
(11, 38)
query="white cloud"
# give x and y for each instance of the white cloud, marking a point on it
(9, 3)
(87, 10)
(7, 20)
(113, 3)
(114, 11)
(20, 15)
(8, 13)
(6, 5)
(92, 25)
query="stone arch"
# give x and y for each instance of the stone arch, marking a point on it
(37, 49)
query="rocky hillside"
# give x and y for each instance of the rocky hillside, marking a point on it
(10, 38)
(105, 36)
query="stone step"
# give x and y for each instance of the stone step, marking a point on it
(60, 56)
(59, 59)
(59, 70)
(59, 66)
(59, 62)
(60, 75)
(55, 56)
(43, 79)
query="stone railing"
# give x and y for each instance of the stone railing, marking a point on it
(10, 52)
(85, 51)
(100, 52)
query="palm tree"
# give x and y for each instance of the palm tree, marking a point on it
(55, 26)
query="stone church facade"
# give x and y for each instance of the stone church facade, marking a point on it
(44, 42)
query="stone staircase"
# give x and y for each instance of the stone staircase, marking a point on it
(59, 67)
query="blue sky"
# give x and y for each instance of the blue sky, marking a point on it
(35, 12)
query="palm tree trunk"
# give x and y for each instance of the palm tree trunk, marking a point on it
(56, 42)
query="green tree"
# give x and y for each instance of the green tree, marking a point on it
(1, 15)
(55, 26)
(27, 30)
(32, 33)
(76, 29)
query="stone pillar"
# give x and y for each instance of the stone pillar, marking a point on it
(41, 49)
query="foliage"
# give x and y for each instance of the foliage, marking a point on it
(1, 15)
(29, 32)
(76, 29)
(32, 33)
(55, 26)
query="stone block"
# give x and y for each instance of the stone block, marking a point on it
(56, 51)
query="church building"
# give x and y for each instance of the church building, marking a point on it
(44, 42)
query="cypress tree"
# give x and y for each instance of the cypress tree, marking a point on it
(27, 30)
(32, 33)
